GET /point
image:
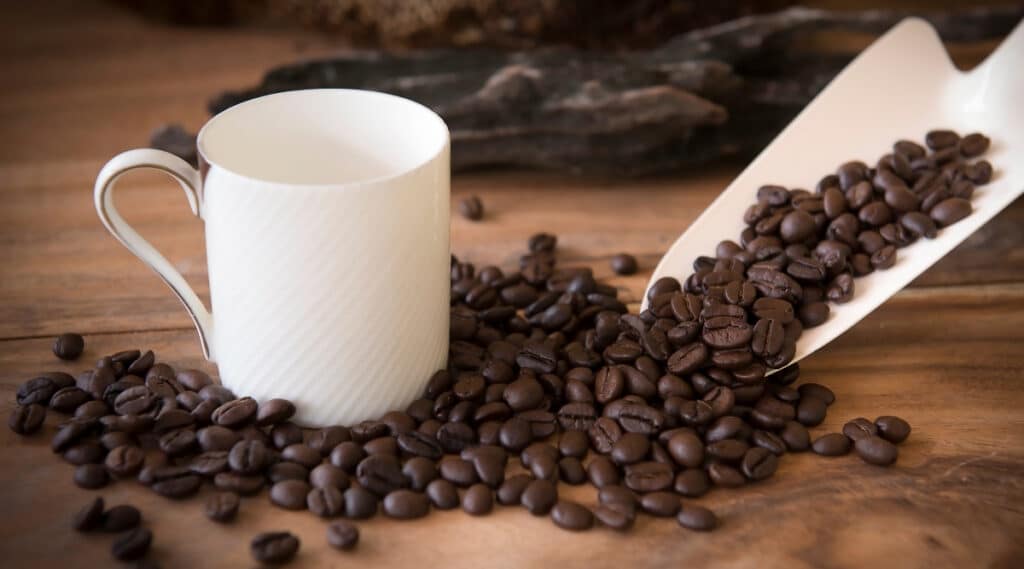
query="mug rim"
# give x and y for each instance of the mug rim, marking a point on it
(445, 140)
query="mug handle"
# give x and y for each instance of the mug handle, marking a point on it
(190, 181)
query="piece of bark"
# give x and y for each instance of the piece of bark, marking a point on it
(718, 91)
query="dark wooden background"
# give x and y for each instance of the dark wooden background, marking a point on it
(81, 81)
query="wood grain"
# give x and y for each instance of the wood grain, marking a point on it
(80, 81)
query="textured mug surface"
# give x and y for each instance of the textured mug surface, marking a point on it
(326, 215)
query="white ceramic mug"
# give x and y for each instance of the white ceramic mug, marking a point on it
(326, 215)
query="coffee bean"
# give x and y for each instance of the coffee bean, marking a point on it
(85, 453)
(133, 545)
(274, 548)
(120, 518)
(380, 474)
(759, 463)
(221, 507)
(249, 457)
(831, 444)
(769, 441)
(301, 454)
(601, 472)
(648, 476)
(68, 399)
(177, 484)
(950, 211)
(406, 504)
(274, 411)
(623, 264)
(613, 517)
(179, 442)
(686, 449)
(515, 434)
(941, 138)
(235, 413)
(91, 476)
(811, 411)
(235, 482)
(214, 392)
(817, 391)
(360, 503)
(288, 471)
(342, 535)
(876, 450)
(572, 516)
(471, 208)
(326, 502)
(478, 500)
(125, 460)
(660, 504)
(289, 494)
(892, 429)
(36, 390)
(347, 456)
(725, 476)
(697, 518)
(90, 516)
(215, 438)
(27, 419)
(859, 428)
(68, 434)
(68, 346)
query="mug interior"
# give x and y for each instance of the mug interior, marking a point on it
(323, 137)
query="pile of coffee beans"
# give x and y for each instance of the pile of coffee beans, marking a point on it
(550, 381)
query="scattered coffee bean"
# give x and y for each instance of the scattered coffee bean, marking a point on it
(90, 516)
(831, 444)
(697, 518)
(624, 264)
(91, 476)
(471, 208)
(26, 419)
(120, 518)
(892, 429)
(876, 450)
(274, 547)
(133, 545)
(342, 535)
(222, 507)
(572, 516)
(68, 346)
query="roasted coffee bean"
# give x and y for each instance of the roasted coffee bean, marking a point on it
(214, 438)
(660, 504)
(478, 500)
(301, 454)
(342, 535)
(326, 439)
(725, 476)
(120, 518)
(69, 346)
(209, 463)
(235, 413)
(537, 357)
(692, 483)
(686, 449)
(697, 518)
(572, 516)
(360, 503)
(973, 145)
(576, 416)
(727, 450)
(178, 442)
(221, 507)
(287, 471)
(884, 258)
(876, 450)
(418, 470)
(694, 413)
(274, 548)
(85, 453)
(630, 448)
(347, 456)
(614, 516)
(125, 460)
(69, 433)
(177, 483)
(601, 472)
(133, 545)
(274, 411)
(759, 463)
(950, 211)
(640, 418)
(623, 264)
(818, 391)
(811, 411)
(326, 502)
(471, 208)
(249, 457)
(36, 390)
(406, 504)
(648, 476)
(90, 516)
(831, 444)
(511, 490)
(67, 399)
(859, 428)
(289, 494)
(91, 476)
(380, 474)
(234, 482)
(27, 419)
(892, 429)
(573, 443)
(442, 494)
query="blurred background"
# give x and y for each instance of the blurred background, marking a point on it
(599, 87)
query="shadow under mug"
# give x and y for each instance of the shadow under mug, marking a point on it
(326, 214)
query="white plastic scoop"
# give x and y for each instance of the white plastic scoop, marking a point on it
(902, 86)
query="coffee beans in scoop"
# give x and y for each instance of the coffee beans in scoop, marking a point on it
(548, 366)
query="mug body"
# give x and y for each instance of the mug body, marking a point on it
(327, 238)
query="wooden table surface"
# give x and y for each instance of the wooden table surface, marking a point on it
(80, 82)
